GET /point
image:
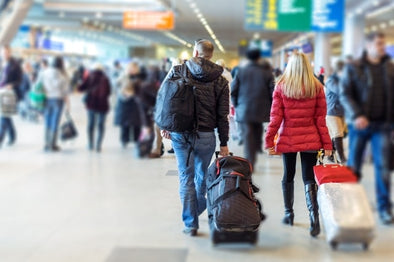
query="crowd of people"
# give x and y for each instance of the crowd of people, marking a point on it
(303, 113)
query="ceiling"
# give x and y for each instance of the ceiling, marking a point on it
(225, 17)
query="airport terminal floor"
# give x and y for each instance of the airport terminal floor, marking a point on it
(83, 206)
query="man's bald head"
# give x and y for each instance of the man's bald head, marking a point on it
(203, 48)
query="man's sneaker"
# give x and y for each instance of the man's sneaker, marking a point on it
(190, 231)
(386, 217)
(171, 151)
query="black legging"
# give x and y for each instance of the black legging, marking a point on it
(308, 160)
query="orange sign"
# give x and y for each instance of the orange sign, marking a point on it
(148, 20)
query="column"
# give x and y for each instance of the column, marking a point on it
(353, 37)
(322, 53)
(282, 59)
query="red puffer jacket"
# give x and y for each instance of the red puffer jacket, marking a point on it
(301, 123)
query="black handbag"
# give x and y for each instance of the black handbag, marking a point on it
(68, 129)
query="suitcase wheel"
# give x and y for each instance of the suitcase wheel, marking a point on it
(365, 246)
(334, 245)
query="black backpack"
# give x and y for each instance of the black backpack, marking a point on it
(175, 109)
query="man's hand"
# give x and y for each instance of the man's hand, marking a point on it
(361, 122)
(165, 134)
(224, 151)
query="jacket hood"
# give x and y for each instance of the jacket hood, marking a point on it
(204, 70)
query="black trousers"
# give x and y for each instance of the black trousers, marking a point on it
(125, 133)
(252, 138)
(308, 160)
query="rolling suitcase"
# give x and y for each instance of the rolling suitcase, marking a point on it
(346, 213)
(233, 211)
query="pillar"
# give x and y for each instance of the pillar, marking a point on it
(322, 53)
(353, 37)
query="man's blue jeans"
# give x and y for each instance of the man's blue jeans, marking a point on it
(192, 175)
(6, 125)
(53, 112)
(378, 134)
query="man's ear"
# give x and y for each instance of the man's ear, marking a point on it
(195, 54)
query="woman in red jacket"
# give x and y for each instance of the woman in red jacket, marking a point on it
(298, 113)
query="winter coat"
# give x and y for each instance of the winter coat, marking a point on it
(334, 107)
(301, 123)
(251, 93)
(128, 111)
(98, 90)
(356, 85)
(212, 96)
(11, 74)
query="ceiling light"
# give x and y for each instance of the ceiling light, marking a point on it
(99, 15)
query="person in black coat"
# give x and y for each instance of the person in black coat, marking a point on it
(251, 94)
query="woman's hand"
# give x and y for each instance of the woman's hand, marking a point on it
(327, 152)
(271, 151)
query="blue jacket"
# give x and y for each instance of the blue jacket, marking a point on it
(334, 107)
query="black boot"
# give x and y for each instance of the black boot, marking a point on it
(288, 197)
(313, 207)
(54, 146)
(338, 145)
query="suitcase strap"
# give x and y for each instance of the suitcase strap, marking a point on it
(232, 191)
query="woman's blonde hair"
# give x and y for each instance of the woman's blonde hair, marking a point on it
(298, 80)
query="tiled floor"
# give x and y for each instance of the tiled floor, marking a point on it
(78, 206)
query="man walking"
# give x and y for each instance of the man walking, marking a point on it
(194, 150)
(251, 94)
(11, 77)
(368, 98)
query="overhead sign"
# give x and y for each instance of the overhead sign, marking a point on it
(265, 47)
(143, 20)
(294, 15)
(328, 15)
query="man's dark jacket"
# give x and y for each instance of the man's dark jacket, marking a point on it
(211, 94)
(251, 93)
(356, 87)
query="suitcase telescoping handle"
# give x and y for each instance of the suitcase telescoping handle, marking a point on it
(320, 158)
(217, 154)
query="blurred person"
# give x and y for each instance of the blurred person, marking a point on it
(147, 99)
(335, 112)
(27, 79)
(226, 74)
(56, 87)
(11, 77)
(128, 110)
(194, 151)
(298, 113)
(116, 73)
(367, 94)
(349, 59)
(321, 75)
(251, 95)
(78, 76)
(277, 74)
(98, 90)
